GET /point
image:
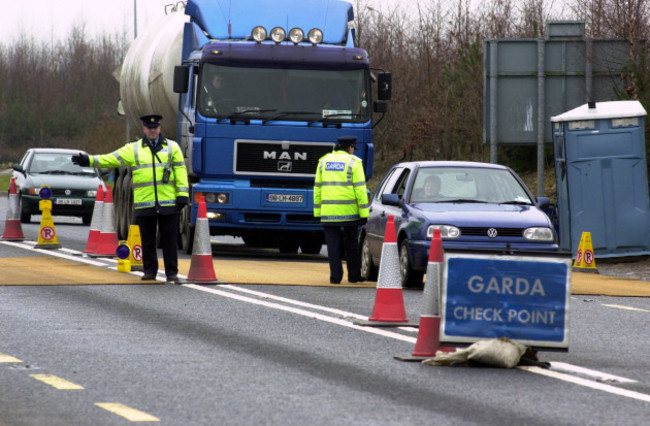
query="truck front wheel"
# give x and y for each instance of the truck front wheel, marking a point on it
(186, 230)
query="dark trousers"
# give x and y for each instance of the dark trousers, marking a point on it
(343, 243)
(167, 224)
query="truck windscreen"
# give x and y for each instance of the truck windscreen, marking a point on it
(284, 94)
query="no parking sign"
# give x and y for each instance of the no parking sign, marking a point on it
(524, 298)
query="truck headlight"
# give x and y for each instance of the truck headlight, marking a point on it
(278, 34)
(259, 33)
(538, 234)
(315, 36)
(446, 231)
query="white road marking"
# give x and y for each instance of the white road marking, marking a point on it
(587, 383)
(598, 375)
(627, 308)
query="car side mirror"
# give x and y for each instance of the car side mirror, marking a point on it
(543, 202)
(18, 168)
(391, 199)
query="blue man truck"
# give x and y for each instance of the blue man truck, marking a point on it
(255, 92)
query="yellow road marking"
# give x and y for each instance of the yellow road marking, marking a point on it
(56, 382)
(627, 308)
(127, 412)
(7, 358)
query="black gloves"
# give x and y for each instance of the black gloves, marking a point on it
(81, 160)
(181, 202)
(363, 221)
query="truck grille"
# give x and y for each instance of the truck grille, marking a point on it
(296, 159)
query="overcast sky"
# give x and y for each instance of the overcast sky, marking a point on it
(53, 19)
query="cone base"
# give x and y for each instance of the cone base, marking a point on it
(202, 269)
(389, 306)
(47, 246)
(13, 230)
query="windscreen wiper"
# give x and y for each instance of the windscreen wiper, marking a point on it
(284, 114)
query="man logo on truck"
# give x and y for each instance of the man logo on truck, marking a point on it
(273, 155)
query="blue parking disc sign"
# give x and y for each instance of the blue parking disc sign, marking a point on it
(524, 298)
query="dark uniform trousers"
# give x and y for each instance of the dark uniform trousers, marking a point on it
(167, 224)
(343, 245)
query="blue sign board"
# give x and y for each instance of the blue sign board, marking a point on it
(524, 298)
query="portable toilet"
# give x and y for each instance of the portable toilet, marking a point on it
(601, 177)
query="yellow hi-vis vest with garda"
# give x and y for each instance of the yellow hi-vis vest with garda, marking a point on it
(148, 171)
(340, 193)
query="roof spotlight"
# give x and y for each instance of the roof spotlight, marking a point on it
(296, 35)
(259, 34)
(278, 34)
(315, 36)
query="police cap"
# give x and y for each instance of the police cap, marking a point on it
(152, 120)
(346, 141)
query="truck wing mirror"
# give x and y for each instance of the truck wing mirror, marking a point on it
(380, 106)
(384, 86)
(181, 79)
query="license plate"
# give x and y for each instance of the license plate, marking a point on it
(285, 198)
(68, 201)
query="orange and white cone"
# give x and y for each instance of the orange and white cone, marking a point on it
(428, 341)
(96, 222)
(389, 300)
(201, 266)
(107, 244)
(13, 228)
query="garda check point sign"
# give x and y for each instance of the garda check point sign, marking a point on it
(524, 298)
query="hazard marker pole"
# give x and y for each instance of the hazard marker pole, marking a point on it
(389, 300)
(135, 243)
(428, 342)
(96, 222)
(201, 266)
(47, 238)
(108, 236)
(13, 228)
(585, 260)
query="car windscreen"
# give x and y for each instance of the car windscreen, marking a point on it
(468, 184)
(57, 163)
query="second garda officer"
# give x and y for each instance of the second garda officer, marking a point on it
(160, 190)
(341, 203)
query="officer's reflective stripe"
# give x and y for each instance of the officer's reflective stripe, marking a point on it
(317, 206)
(330, 183)
(339, 202)
(357, 184)
(178, 163)
(339, 218)
(350, 165)
(365, 206)
(162, 203)
(317, 184)
(136, 154)
(182, 189)
(157, 183)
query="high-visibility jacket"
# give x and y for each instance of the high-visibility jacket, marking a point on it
(147, 169)
(340, 193)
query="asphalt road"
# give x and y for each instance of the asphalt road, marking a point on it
(278, 354)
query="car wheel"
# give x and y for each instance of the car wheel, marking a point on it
(288, 245)
(85, 219)
(310, 244)
(186, 230)
(409, 277)
(368, 270)
(25, 217)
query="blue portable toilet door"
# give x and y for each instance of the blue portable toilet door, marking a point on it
(607, 187)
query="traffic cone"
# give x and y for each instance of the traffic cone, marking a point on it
(47, 238)
(428, 341)
(134, 241)
(585, 259)
(13, 228)
(96, 222)
(201, 266)
(107, 244)
(389, 300)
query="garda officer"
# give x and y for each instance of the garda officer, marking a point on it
(160, 190)
(341, 202)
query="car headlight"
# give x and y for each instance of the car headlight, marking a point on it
(446, 231)
(92, 193)
(538, 234)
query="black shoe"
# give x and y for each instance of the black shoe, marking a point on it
(148, 277)
(356, 280)
(335, 281)
(174, 279)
